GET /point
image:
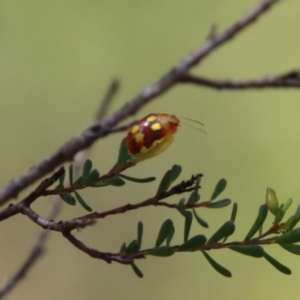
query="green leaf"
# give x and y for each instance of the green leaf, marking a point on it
(199, 220)
(181, 208)
(278, 216)
(123, 155)
(161, 251)
(123, 248)
(175, 172)
(169, 177)
(223, 271)
(114, 181)
(234, 211)
(78, 181)
(250, 250)
(71, 174)
(82, 202)
(294, 249)
(187, 225)
(296, 218)
(290, 237)
(194, 196)
(137, 271)
(87, 167)
(225, 230)
(262, 214)
(140, 228)
(62, 179)
(99, 184)
(219, 204)
(164, 231)
(139, 180)
(288, 223)
(193, 244)
(283, 269)
(92, 177)
(287, 204)
(170, 236)
(68, 198)
(220, 187)
(133, 247)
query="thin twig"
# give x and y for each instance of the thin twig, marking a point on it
(103, 128)
(35, 253)
(267, 82)
(107, 99)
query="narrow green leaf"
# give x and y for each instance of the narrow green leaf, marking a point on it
(87, 167)
(137, 271)
(294, 249)
(296, 218)
(123, 155)
(199, 219)
(290, 237)
(287, 204)
(99, 184)
(140, 228)
(123, 248)
(181, 208)
(170, 236)
(164, 231)
(161, 251)
(62, 179)
(187, 225)
(133, 247)
(278, 216)
(68, 198)
(194, 196)
(288, 223)
(262, 214)
(220, 187)
(223, 271)
(225, 230)
(71, 174)
(92, 177)
(115, 181)
(283, 269)
(175, 172)
(169, 177)
(139, 180)
(78, 181)
(82, 202)
(193, 243)
(251, 250)
(219, 204)
(234, 211)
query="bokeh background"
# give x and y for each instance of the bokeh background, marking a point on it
(56, 60)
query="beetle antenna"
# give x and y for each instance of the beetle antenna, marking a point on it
(194, 127)
(195, 121)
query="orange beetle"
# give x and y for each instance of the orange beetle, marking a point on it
(152, 135)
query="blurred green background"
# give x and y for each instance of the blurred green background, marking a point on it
(56, 61)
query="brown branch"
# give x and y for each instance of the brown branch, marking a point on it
(124, 258)
(281, 81)
(90, 219)
(99, 130)
(27, 201)
(106, 256)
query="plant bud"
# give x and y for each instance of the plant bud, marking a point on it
(271, 200)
